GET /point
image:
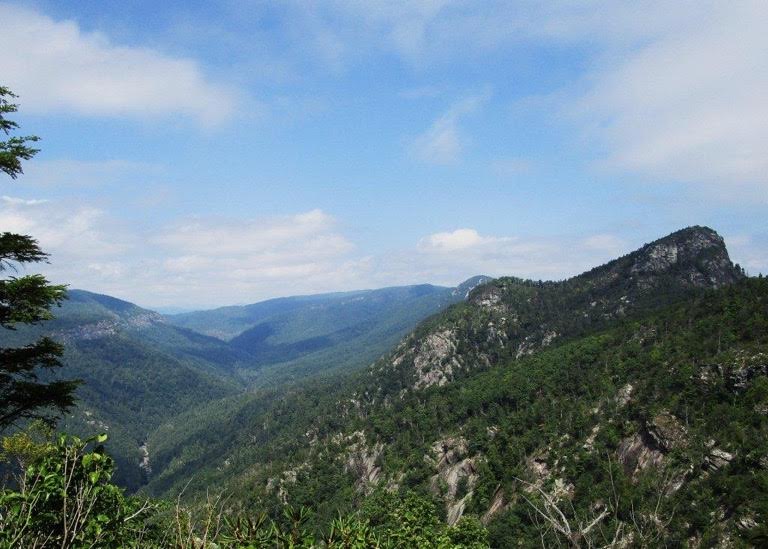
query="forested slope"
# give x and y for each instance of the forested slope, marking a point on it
(137, 370)
(632, 398)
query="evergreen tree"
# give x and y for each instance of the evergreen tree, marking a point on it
(26, 300)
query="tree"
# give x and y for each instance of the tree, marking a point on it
(26, 300)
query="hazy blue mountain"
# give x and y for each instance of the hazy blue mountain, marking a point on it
(292, 337)
(229, 322)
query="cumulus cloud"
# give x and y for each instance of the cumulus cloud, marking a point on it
(76, 233)
(209, 262)
(460, 239)
(442, 143)
(302, 251)
(55, 66)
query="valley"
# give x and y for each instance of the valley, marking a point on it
(502, 399)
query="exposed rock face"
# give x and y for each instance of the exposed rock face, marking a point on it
(637, 453)
(434, 359)
(746, 367)
(488, 297)
(738, 368)
(667, 432)
(286, 479)
(449, 456)
(144, 464)
(498, 504)
(717, 459)
(663, 433)
(362, 461)
(110, 327)
(698, 253)
(625, 395)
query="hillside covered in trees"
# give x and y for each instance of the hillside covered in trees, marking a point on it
(624, 407)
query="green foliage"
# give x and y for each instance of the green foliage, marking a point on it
(468, 532)
(545, 405)
(137, 372)
(27, 446)
(14, 149)
(289, 339)
(26, 300)
(65, 498)
(552, 437)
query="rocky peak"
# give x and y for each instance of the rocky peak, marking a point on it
(697, 254)
(508, 318)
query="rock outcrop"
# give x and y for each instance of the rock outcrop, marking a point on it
(456, 474)
(362, 461)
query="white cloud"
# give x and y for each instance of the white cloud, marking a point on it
(675, 91)
(77, 233)
(208, 262)
(688, 104)
(442, 143)
(460, 239)
(195, 262)
(452, 256)
(55, 66)
(12, 200)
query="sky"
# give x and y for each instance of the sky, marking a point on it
(197, 154)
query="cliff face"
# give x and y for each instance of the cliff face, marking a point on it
(697, 256)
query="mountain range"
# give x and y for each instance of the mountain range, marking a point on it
(629, 402)
(625, 406)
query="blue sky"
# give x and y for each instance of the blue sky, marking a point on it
(231, 151)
